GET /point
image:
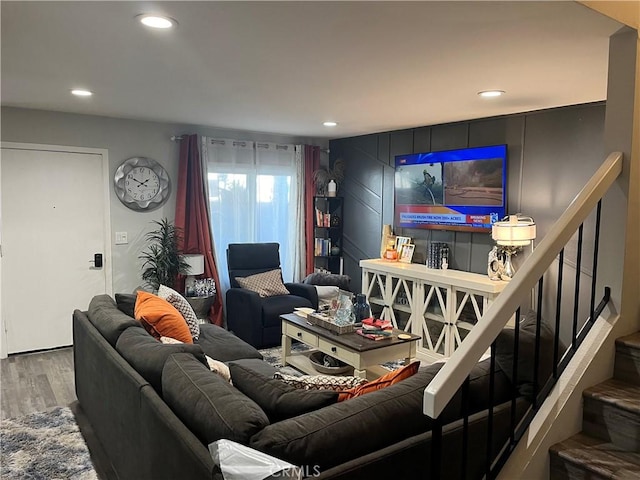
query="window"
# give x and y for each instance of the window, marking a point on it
(252, 198)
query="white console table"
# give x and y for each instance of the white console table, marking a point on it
(441, 306)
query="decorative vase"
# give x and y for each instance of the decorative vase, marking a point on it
(335, 250)
(361, 309)
(344, 313)
(331, 188)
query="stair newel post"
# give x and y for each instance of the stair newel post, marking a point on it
(436, 447)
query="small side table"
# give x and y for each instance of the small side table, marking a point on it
(201, 306)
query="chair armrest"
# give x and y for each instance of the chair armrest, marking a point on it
(305, 291)
(244, 315)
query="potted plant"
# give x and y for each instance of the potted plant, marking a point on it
(162, 259)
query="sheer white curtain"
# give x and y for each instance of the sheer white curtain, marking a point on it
(253, 197)
(300, 260)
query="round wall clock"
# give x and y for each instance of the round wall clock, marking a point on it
(142, 184)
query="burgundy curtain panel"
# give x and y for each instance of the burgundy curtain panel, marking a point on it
(311, 164)
(192, 216)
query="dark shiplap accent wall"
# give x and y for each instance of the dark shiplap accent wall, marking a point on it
(550, 156)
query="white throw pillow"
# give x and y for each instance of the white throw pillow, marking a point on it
(169, 341)
(219, 367)
(180, 303)
(326, 293)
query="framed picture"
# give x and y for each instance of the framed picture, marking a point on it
(400, 241)
(406, 254)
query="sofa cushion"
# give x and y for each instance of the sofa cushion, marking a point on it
(160, 318)
(148, 356)
(277, 399)
(526, 353)
(396, 411)
(259, 366)
(322, 278)
(265, 284)
(110, 322)
(384, 381)
(220, 344)
(216, 366)
(207, 404)
(363, 424)
(273, 307)
(127, 303)
(180, 303)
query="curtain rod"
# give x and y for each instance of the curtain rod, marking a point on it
(175, 138)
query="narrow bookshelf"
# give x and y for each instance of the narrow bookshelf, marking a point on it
(328, 234)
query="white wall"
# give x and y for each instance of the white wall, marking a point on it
(123, 139)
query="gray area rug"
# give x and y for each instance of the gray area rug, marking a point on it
(273, 356)
(45, 445)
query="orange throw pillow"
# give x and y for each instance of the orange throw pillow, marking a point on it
(382, 382)
(160, 318)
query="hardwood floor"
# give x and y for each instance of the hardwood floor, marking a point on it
(35, 382)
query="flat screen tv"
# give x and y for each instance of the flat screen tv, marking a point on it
(462, 190)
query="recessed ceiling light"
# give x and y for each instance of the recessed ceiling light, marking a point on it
(157, 21)
(81, 92)
(491, 93)
(329, 124)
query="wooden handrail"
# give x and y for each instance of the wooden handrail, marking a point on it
(449, 379)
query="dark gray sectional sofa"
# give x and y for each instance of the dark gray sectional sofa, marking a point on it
(155, 408)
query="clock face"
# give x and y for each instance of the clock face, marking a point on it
(142, 184)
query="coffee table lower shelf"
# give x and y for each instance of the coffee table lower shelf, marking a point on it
(301, 362)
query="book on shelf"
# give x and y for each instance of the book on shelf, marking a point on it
(322, 219)
(322, 247)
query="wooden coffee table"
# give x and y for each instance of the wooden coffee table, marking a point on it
(363, 354)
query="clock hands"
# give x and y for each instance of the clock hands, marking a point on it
(141, 184)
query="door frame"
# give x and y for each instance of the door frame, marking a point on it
(106, 200)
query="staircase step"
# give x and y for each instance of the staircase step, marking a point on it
(583, 457)
(627, 364)
(611, 412)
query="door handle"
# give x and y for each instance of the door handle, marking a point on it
(97, 260)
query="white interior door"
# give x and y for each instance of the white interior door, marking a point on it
(54, 219)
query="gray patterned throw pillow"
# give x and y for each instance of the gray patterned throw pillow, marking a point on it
(321, 382)
(180, 303)
(267, 284)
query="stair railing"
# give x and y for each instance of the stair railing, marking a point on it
(454, 375)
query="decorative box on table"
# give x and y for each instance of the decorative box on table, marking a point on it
(325, 321)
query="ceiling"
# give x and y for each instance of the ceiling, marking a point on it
(286, 67)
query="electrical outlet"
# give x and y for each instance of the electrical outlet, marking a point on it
(121, 238)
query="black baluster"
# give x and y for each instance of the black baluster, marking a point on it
(576, 298)
(596, 244)
(556, 340)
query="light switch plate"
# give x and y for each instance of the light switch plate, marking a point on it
(121, 238)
